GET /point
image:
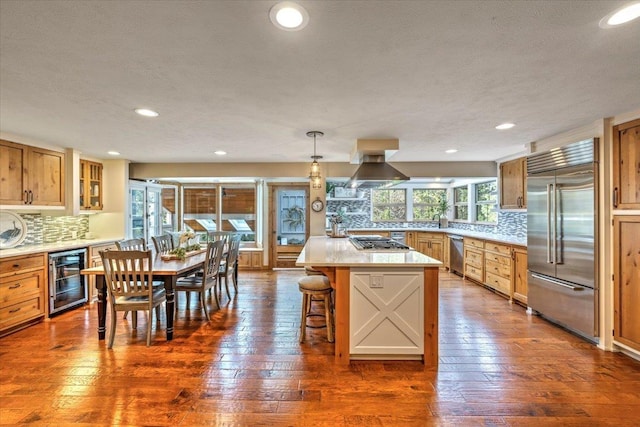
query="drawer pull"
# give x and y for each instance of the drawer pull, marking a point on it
(16, 286)
(15, 310)
(16, 265)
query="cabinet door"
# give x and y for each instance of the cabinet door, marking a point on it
(626, 280)
(626, 165)
(437, 250)
(90, 185)
(512, 184)
(46, 177)
(520, 275)
(12, 178)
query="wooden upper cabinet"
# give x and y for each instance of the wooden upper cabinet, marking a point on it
(626, 165)
(30, 175)
(90, 185)
(513, 188)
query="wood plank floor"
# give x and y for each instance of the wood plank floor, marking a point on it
(498, 366)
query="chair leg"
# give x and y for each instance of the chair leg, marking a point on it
(226, 285)
(124, 316)
(204, 305)
(149, 326)
(235, 280)
(112, 332)
(303, 317)
(188, 299)
(215, 292)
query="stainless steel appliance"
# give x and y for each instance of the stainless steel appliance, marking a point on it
(67, 287)
(456, 254)
(561, 236)
(399, 236)
(377, 243)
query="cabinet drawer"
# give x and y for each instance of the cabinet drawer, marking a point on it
(497, 247)
(430, 236)
(473, 257)
(498, 283)
(474, 272)
(16, 287)
(498, 269)
(15, 264)
(500, 259)
(22, 311)
(476, 243)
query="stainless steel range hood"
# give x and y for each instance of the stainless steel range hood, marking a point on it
(373, 172)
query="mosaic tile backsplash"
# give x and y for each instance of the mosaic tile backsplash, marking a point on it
(50, 229)
(358, 215)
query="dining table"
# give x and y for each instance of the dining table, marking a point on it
(166, 270)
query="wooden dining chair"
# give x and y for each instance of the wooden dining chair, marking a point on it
(207, 281)
(230, 264)
(132, 245)
(163, 243)
(129, 279)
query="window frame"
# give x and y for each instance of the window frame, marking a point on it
(403, 205)
(478, 203)
(425, 205)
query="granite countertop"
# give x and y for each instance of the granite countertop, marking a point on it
(321, 251)
(55, 247)
(500, 238)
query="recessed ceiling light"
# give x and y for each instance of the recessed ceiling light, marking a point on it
(621, 16)
(220, 153)
(113, 153)
(451, 151)
(505, 126)
(289, 16)
(146, 112)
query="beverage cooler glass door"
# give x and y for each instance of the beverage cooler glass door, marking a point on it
(67, 287)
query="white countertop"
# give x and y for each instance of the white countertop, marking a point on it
(320, 251)
(54, 247)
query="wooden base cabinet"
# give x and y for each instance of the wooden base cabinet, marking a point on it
(22, 291)
(250, 260)
(474, 259)
(497, 267)
(520, 289)
(430, 244)
(626, 280)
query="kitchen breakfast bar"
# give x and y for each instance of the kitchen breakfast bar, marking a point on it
(386, 302)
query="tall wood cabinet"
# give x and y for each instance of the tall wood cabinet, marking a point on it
(626, 165)
(90, 185)
(513, 184)
(31, 175)
(626, 280)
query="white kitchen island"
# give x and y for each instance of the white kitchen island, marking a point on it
(386, 302)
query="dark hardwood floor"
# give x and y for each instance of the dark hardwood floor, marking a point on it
(498, 366)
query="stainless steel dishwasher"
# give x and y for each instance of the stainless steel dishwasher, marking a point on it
(456, 254)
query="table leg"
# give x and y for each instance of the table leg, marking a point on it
(169, 286)
(102, 306)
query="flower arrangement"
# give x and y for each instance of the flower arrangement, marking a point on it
(186, 237)
(185, 245)
(336, 219)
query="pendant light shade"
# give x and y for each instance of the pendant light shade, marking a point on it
(314, 173)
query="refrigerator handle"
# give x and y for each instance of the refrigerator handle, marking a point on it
(554, 230)
(549, 224)
(557, 282)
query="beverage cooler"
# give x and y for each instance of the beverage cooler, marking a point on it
(67, 287)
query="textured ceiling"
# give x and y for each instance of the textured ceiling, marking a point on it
(434, 74)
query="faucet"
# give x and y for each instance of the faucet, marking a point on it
(437, 217)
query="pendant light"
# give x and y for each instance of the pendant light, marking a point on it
(314, 174)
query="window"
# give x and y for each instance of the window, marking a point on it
(426, 203)
(461, 203)
(486, 202)
(389, 205)
(238, 211)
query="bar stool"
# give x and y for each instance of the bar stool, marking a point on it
(318, 286)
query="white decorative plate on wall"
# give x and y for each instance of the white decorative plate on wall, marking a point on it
(13, 229)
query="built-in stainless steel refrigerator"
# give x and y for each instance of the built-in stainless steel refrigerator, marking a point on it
(561, 236)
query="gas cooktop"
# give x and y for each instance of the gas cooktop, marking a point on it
(377, 243)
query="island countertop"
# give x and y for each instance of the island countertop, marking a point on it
(321, 251)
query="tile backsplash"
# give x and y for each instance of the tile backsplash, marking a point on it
(50, 229)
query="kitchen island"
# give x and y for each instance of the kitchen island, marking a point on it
(382, 300)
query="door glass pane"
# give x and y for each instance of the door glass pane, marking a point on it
(169, 209)
(137, 213)
(291, 217)
(153, 213)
